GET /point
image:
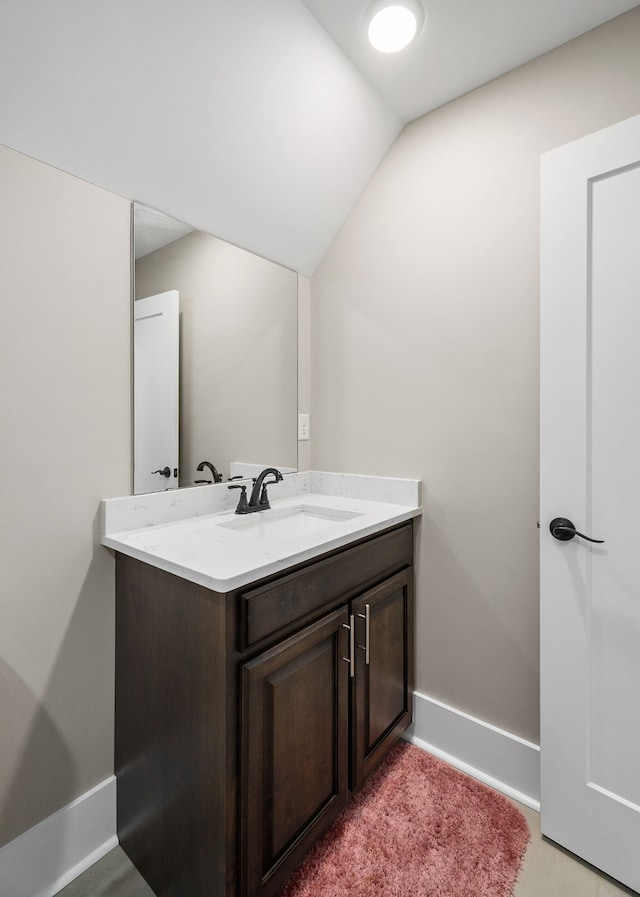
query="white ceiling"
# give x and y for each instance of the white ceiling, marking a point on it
(463, 44)
(259, 121)
(239, 117)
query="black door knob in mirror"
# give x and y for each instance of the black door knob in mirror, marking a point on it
(165, 472)
(562, 528)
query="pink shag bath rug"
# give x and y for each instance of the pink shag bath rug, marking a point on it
(418, 828)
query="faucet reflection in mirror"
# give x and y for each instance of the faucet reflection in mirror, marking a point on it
(238, 348)
(217, 477)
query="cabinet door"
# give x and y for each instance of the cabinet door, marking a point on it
(383, 685)
(295, 749)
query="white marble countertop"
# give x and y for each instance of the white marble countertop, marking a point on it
(194, 533)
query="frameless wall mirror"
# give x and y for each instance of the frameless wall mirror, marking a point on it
(215, 357)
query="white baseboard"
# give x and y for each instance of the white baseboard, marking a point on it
(499, 759)
(44, 859)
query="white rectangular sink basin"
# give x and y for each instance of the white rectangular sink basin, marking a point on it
(286, 523)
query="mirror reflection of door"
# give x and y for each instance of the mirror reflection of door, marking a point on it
(155, 393)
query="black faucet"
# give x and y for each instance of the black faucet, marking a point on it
(259, 500)
(217, 477)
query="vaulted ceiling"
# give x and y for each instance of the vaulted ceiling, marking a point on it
(260, 122)
(462, 44)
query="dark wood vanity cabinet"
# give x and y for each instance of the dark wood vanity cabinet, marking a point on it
(320, 710)
(245, 720)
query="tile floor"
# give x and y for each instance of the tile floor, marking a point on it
(547, 871)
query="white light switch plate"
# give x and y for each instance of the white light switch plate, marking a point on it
(303, 427)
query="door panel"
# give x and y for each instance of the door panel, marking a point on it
(614, 371)
(387, 691)
(295, 758)
(300, 727)
(383, 686)
(590, 444)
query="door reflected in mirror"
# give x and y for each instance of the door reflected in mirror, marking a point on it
(237, 368)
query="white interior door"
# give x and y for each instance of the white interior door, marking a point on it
(590, 473)
(155, 392)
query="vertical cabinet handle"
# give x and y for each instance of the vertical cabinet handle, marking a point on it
(366, 616)
(351, 659)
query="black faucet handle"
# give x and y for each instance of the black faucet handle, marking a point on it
(264, 498)
(242, 503)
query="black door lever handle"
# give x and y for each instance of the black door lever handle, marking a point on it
(165, 472)
(563, 529)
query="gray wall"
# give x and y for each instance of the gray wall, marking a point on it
(64, 445)
(425, 355)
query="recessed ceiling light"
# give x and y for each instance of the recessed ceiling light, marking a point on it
(392, 26)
